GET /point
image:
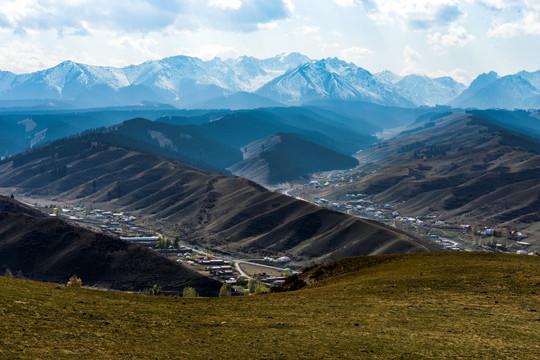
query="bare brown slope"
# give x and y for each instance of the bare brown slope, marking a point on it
(48, 249)
(229, 214)
(10, 205)
(461, 169)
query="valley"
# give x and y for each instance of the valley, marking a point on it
(270, 179)
(226, 214)
(445, 180)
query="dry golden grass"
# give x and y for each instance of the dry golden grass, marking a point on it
(431, 306)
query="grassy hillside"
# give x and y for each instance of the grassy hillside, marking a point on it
(415, 306)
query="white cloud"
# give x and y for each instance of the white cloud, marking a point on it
(460, 75)
(414, 14)
(310, 30)
(529, 24)
(345, 3)
(411, 56)
(226, 4)
(494, 4)
(22, 57)
(210, 51)
(457, 36)
(355, 54)
(142, 45)
(80, 17)
(268, 26)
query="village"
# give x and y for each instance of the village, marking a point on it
(242, 275)
(445, 234)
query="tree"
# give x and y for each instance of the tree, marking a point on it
(155, 290)
(189, 292)
(163, 242)
(251, 285)
(287, 273)
(176, 242)
(74, 281)
(241, 281)
(224, 291)
(260, 289)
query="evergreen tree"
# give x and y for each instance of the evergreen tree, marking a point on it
(224, 291)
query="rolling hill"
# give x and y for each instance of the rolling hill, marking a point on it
(284, 157)
(37, 247)
(232, 215)
(415, 306)
(474, 167)
(313, 139)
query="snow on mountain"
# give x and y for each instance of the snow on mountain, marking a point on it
(491, 91)
(424, 90)
(252, 73)
(532, 77)
(387, 77)
(291, 79)
(179, 80)
(330, 78)
(6, 78)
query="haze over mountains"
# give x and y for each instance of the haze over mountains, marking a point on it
(315, 138)
(247, 82)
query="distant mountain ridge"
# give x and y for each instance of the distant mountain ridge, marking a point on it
(189, 82)
(179, 80)
(247, 82)
(489, 91)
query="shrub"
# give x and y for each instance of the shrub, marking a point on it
(260, 289)
(74, 281)
(155, 290)
(189, 292)
(224, 291)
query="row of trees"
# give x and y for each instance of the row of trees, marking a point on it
(164, 242)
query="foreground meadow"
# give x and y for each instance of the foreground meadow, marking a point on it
(430, 305)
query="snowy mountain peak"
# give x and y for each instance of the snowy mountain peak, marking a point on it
(289, 78)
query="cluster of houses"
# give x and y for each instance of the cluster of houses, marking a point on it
(115, 223)
(363, 206)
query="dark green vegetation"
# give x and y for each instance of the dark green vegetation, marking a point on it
(416, 306)
(232, 215)
(49, 249)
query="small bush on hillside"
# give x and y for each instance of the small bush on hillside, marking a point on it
(251, 285)
(224, 291)
(260, 289)
(155, 290)
(189, 292)
(74, 281)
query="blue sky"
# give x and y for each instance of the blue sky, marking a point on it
(460, 38)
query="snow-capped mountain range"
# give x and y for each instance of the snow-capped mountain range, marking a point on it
(287, 79)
